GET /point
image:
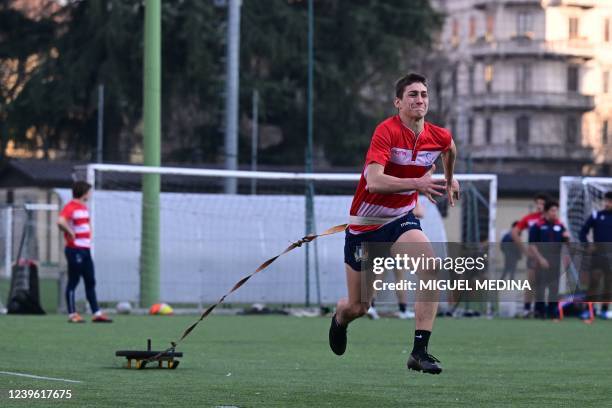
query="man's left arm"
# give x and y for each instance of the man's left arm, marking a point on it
(452, 185)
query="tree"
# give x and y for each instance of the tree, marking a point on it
(361, 47)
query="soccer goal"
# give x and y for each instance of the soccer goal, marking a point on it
(580, 196)
(209, 239)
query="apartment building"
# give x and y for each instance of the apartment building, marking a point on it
(530, 84)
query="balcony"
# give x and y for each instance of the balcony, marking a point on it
(525, 47)
(563, 101)
(585, 4)
(484, 4)
(533, 152)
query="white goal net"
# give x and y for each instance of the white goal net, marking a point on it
(580, 196)
(209, 240)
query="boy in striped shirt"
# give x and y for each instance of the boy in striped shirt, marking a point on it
(74, 222)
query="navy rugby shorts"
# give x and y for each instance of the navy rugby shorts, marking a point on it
(389, 232)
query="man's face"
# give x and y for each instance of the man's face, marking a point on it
(608, 204)
(87, 196)
(540, 204)
(552, 214)
(414, 102)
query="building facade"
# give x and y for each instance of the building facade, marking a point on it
(530, 84)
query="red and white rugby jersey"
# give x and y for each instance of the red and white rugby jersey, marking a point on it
(528, 221)
(77, 215)
(403, 155)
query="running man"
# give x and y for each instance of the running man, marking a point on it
(74, 222)
(524, 224)
(399, 165)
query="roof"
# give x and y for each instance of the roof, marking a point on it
(58, 174)
(36, 173)
(523, 185)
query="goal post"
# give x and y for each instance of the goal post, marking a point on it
(579, 197)
(210, 239)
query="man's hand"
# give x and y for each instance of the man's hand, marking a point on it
(453, 191)
(62, 223)
(543, 263)
(430, 187)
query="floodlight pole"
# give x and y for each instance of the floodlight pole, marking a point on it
(309, 184)
(100, 139)
(232, 84)
(254, 138)
(149, 242)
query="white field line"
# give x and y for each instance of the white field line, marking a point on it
(38, 377)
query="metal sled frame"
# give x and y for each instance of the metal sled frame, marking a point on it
(142, 357)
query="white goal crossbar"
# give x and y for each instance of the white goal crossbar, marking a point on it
(268, 175)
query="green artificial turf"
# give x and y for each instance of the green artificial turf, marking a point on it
(278, 361)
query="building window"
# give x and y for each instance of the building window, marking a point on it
(472, 30)
(488, 130)
(522, 132)
(572, 131)
(524, 25)
(573, 28)
(470, 131)
(605, 126)
(471, 70)
(488, 77)
(455, 32)
(523, 78)
(490, 27)
(572, 78)
(605, 82)
(607, 24)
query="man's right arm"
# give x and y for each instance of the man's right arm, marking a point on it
(532, 251)
(516, 237)
(379, 182)
(63, 225)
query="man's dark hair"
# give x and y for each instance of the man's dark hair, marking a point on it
(608, 195)
(514, 224)
(542, 196)
(406, 80)
(80, 188)
(550, 204)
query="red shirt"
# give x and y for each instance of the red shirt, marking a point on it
(77, 215)
(403, 155)
(528, 221)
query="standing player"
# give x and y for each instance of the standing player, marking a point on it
(524, 224)
(511, 253)
(399, 164)
(601, 257)
(545, 238)
(74, 221)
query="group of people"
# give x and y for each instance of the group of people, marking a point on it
(546, 235)
(399, 165)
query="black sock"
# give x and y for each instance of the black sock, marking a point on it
(604, 308)
(421, 340)
(372, 303)
(528, 306)
(402, 307)
(336, 322)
